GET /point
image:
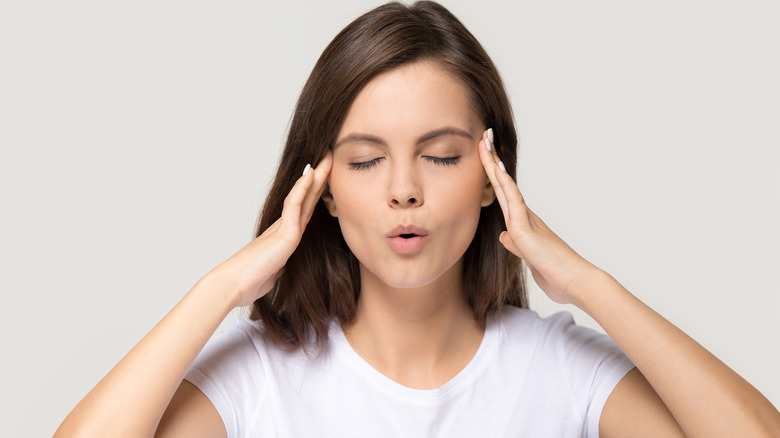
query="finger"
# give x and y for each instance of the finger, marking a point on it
(535, 221)
(492, 164)
(315, 190)
(485, 154)
(500, 191)
(515, 209)
(291, 212)
(489, 163)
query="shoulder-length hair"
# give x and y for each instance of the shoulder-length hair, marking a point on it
(321, 279)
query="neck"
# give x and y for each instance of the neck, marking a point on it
(419, 337)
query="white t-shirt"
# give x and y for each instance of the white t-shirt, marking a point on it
(530, 377)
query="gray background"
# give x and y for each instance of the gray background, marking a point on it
(138, 140)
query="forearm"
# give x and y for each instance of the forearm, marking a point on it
(705, 396)
(131, 398)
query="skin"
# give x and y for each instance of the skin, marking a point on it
(406, 155)
(410, 304)
(678, 387)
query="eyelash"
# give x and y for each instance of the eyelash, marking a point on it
(446, 161)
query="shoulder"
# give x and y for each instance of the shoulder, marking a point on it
(513, 320)
(555, 339)
(581, 366)
(246, 353)
(233, 371)
(246, 341)
(231, 355)
(244, 337)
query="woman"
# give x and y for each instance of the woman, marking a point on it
(389, 308)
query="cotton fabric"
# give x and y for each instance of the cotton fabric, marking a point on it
(530, 377)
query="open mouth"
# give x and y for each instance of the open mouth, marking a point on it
(407, 236)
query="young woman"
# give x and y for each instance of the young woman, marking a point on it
(386, 290)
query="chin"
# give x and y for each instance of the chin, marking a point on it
(409, 278)
(406, 283)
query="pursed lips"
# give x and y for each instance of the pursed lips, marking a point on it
(407, 239)
(407, 231)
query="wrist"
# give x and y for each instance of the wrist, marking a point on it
(590, 286)
(220, 295)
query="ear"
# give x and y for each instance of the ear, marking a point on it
(327, 198)
(488, 194)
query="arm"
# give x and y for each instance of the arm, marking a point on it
(132, 398)
(705, 396)
(684, 382)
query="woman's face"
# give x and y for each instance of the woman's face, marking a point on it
(407, 183)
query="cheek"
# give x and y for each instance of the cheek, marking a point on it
(458, 203)
(347, 193)
(462, 190)
(357, 215)
(462, 209)
(356, 204)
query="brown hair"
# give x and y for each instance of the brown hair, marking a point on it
(321, 279)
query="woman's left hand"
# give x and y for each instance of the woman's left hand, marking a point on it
(555, 267)
(672, 377)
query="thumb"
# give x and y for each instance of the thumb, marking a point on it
(509, 244)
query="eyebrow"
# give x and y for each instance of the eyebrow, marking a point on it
(449, 130)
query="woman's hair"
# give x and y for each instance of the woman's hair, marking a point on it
(321, 278)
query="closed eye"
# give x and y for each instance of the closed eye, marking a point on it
(364, 164)
(445, 160)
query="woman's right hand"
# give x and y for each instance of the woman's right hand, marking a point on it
(161, 359)
(251, 272)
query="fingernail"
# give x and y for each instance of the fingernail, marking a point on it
(490, 134)
(306, 169)
(501, 165)
(487, 144)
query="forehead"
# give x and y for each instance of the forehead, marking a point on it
(411, 99)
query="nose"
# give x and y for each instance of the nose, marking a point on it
(405, 190)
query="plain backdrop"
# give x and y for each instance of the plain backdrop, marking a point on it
(139, 139)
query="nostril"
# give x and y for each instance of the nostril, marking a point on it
(401, 201)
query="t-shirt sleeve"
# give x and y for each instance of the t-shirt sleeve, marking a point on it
(591, 363)
(229, 372)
